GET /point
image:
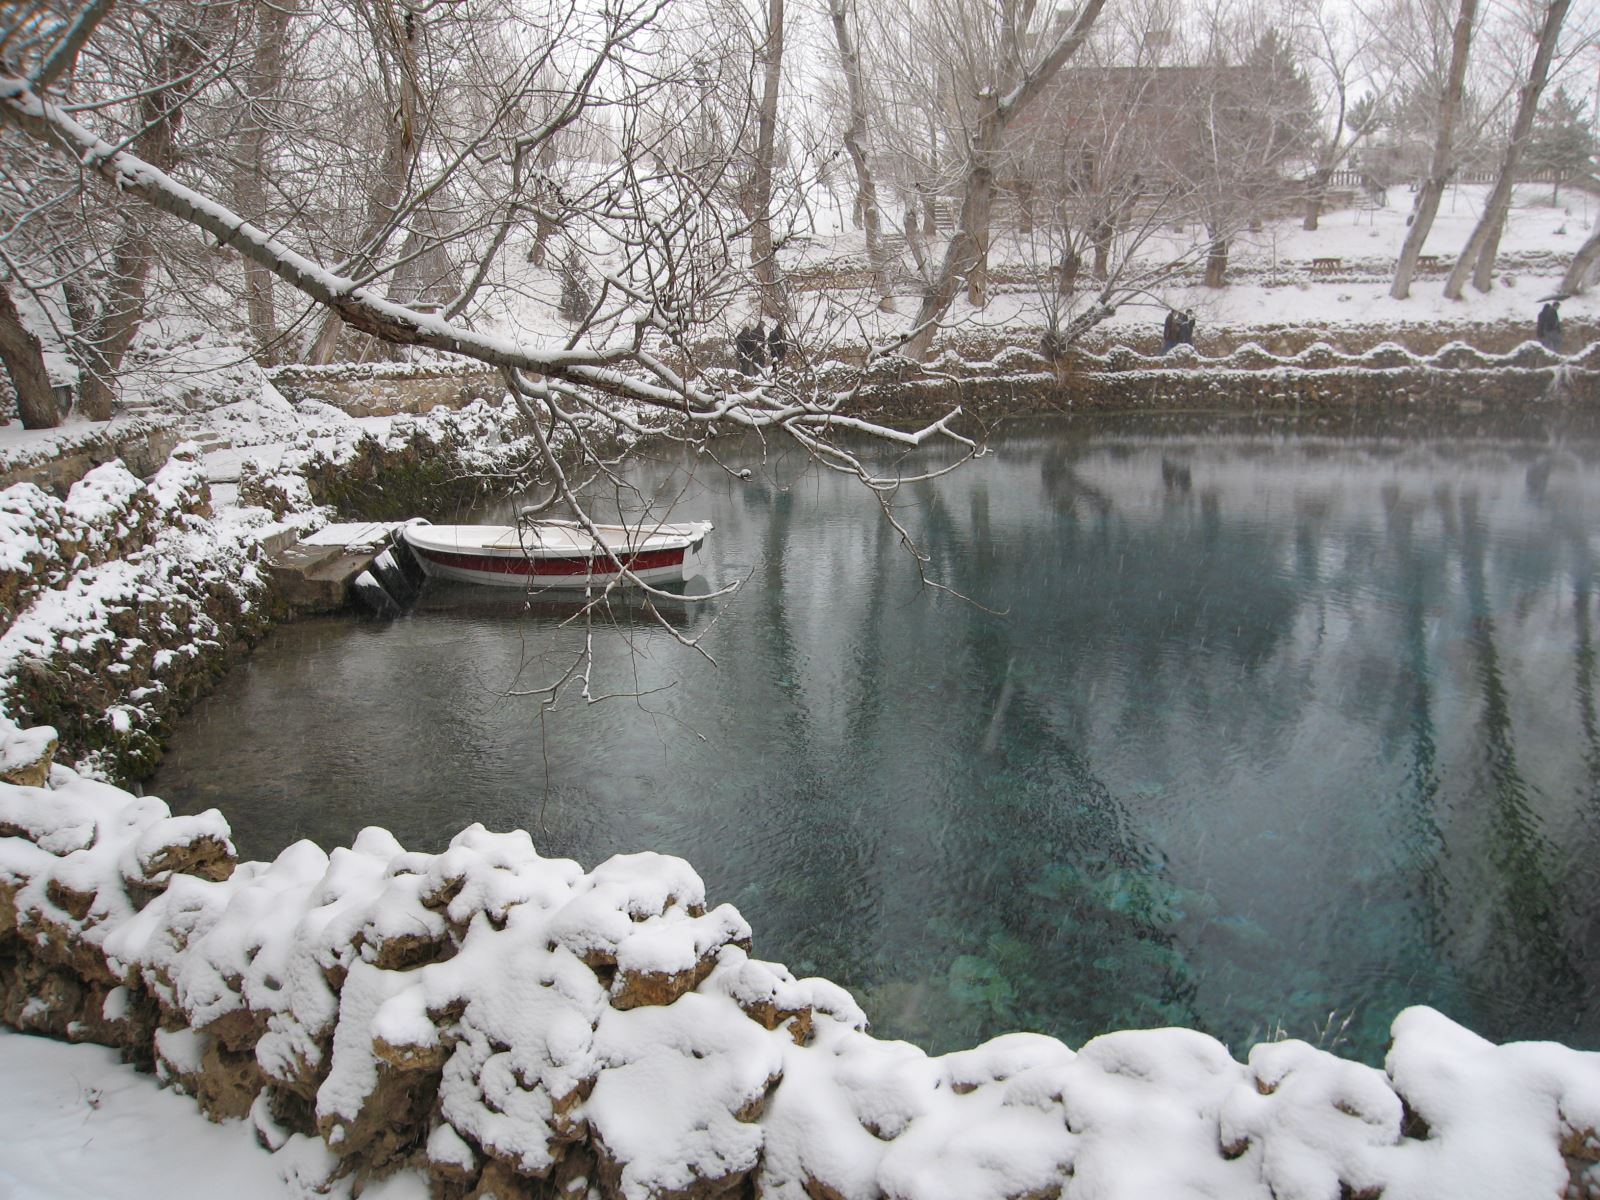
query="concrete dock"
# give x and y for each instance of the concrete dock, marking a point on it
(316, 573)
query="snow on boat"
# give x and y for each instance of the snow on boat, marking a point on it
(556, 554)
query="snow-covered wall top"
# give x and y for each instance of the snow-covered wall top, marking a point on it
(498, 1018)
(55, 459)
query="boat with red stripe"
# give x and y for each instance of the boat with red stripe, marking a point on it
(557, 554)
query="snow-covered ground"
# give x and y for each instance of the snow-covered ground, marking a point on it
(75, 1124)
(1273, 284)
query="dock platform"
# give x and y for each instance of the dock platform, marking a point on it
(316, 573)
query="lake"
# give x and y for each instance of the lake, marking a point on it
(1256, 729)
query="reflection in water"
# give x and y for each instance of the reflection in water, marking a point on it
(1248, 732)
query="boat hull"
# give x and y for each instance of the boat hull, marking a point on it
(501, 556)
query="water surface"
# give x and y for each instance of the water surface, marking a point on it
(1254, 731)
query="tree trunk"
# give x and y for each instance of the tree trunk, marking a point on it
(112, 332)
(383, 202)
(1432, 190)
(1067, 273)
(914, 239)
(1577, 277)
(978, 277)
(94, 396)
(1217, 263)
(964, 253)
(1479, 253)
(1316, 195)
(1025, 202)
(969, 242)
(1101, 238)
(543, 230)
(23, 357)
(249, 184)
(763, 258)
(855, 144)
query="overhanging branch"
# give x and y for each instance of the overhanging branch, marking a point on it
(594, 370)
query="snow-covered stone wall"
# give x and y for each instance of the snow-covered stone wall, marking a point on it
(109, 513)
(517, 1026)
(55, 459)
(387, 389)
(436, 466)
(1249, 378)
(121, 604)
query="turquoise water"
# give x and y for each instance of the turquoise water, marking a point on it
(1258, 732)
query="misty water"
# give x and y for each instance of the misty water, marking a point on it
(1260, 732)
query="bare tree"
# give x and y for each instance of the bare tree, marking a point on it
(1254, 117)
(174, 48)
(1018, 79)
(855, 144)
(395, 40)
(1478, 255)
(763, 256)
(261, 89)
(1443, 161)
(1336, 47)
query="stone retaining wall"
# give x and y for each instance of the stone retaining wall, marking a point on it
(1395, 362)
(59, 458)
(119, 608)
(387, 389)
(514, 1026)
(1456, 379)
(1421, 338)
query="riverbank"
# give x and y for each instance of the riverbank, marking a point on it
(122, 603)
(1455, 379)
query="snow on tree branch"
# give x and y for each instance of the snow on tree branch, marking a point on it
(595, 370)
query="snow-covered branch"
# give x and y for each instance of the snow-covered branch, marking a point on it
(601, 370)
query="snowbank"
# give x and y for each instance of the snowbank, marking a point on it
(497, 1018)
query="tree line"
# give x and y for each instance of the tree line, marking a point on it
(335, 178)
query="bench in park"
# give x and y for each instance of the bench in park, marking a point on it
(1326, 266)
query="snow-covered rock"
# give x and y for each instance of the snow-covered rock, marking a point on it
(470, 1014)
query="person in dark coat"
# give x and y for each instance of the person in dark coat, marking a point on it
(750, 349)
(758, 347)
(1549, 325)
(1172, 330)
(1186, 327)
(777, 345)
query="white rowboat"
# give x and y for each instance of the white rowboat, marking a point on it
(558, 554)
